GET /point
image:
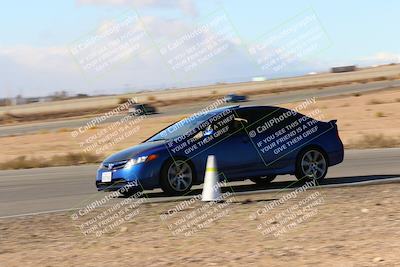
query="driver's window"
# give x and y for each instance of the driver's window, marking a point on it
(251, 115)
(239, 123)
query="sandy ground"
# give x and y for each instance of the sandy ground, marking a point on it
(358, 116)
(341, 227)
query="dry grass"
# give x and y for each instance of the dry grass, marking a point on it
(97, 105)
(94, 127)
(63, 130)
(9, 117)
(375, 141)
(123, 100)
(23, 162)
(375, 102)
(151, 98)
(379, 114)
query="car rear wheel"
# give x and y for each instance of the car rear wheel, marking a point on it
(312, 164)
(177, 177)
(264, 180)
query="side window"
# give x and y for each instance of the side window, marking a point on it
(252, 115)
(282, 117)
(272, 119)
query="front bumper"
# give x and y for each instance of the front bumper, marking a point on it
(116, 185)
(142, 176)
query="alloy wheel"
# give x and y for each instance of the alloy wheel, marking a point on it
(180, 175)
(313, 164)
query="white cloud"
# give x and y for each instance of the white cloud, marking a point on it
(381, 58)
(186, 6)
(34, 57)
(37, 70)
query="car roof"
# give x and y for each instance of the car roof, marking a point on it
(238, 107)
(253, 107)
(223, 108)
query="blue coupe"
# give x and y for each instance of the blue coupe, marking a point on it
(252, 142)
(233, 98)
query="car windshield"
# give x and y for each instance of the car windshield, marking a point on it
(183, 127)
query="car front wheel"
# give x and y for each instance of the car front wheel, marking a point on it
(177, 177)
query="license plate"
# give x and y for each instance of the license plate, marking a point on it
(106, 177)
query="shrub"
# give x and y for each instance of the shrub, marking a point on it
(151, 98)
(63, 130)
(22, 162)
(123, 100)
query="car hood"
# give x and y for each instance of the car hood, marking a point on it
(135, 150)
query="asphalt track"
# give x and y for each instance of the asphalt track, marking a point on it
(35, 191)
(274, 99)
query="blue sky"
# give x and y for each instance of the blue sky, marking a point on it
(39, 32)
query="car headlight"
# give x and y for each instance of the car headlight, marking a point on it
(138, 160)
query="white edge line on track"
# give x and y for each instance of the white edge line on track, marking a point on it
(373, 182)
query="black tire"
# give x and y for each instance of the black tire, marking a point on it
(181, 184)
(311, 164)
(264, 180)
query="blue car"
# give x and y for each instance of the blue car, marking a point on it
(252, 142)
(233, 98)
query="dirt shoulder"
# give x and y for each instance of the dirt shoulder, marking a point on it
(353, 226)
(365, 121)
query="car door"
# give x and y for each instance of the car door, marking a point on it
(274, 136)
(237, 157)
(223, 135)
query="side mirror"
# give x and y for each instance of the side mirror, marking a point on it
(239, 122)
